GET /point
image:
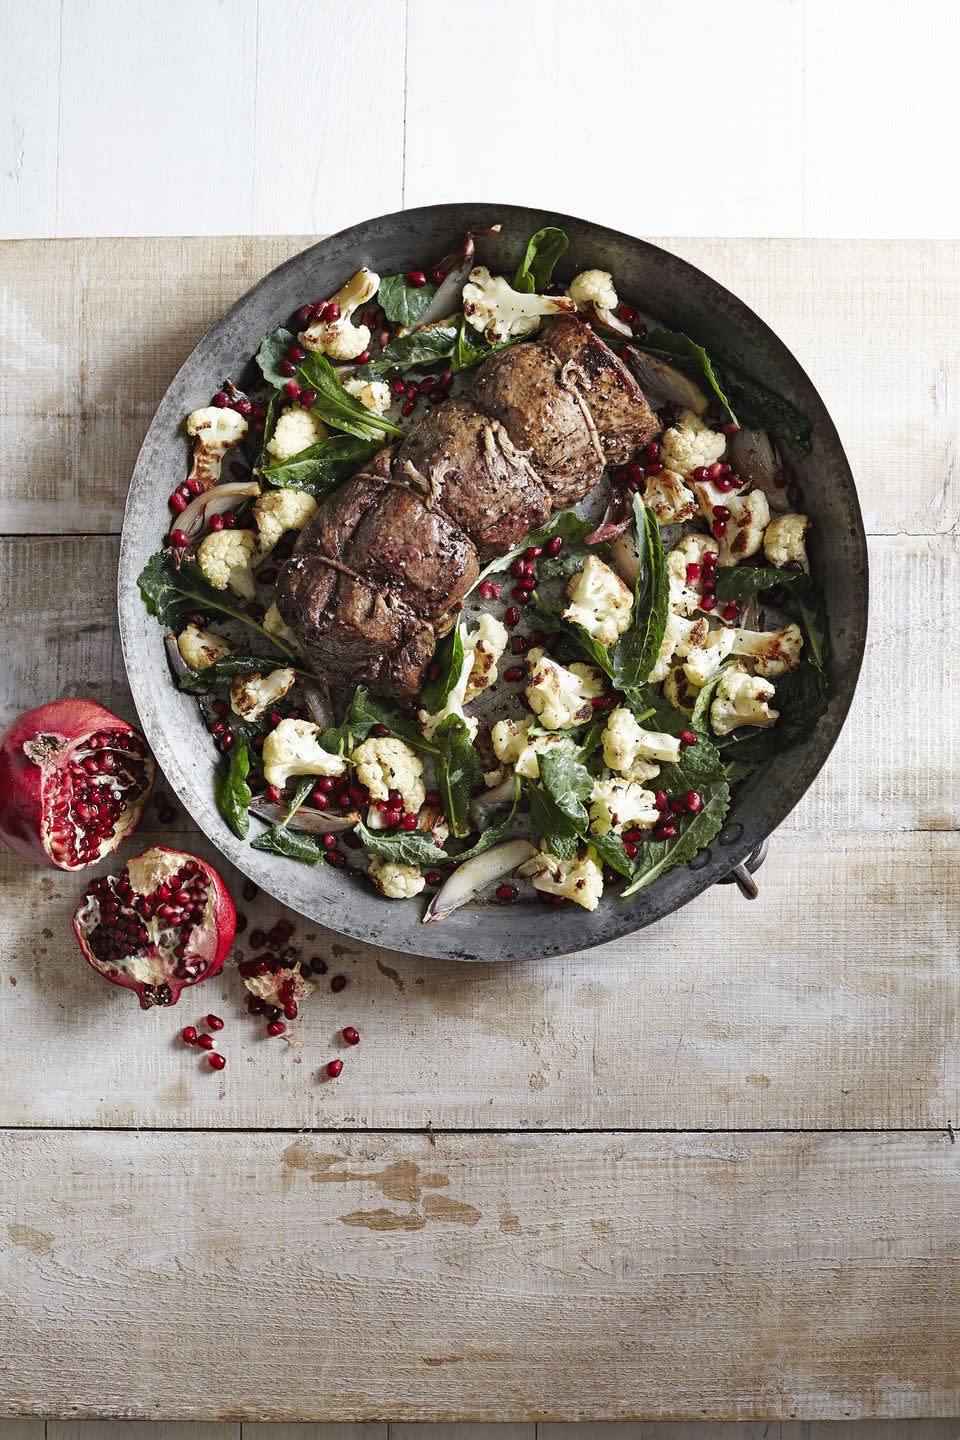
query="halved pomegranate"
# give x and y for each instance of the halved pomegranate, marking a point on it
(165, 922)
(73, 783)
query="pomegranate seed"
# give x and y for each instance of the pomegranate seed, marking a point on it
(660, 799)
(308, 398)
(257, 938)
(331, 311)
(292, 389)
(693, 801)
(513, 672)
(729, 429)
(783, 478)
(688, 737)
(318, 966)
(177, 502)
(276, 1027)
(296, 354)
(428, 383)
(631, 849)
(334, 1068)
(255, 1005)
(381, 731)
(409, 821)
(711, 559)
(221, 399)
(362, 358)
(216, 1062)
(489, 590)
(287, 367)
(715, 470)
(533, 552)
(719, 529)
(701, 473)
(189, 1034)
(720, 512)
(206, 1042)
(519, 644)
(179, 539)
(731, 611)
(338, 983)
(633, 835)
(407, 407)
(303, 316)
(290, 1010)
(433, 798)
(724, 486)
(694, 573)
(520, 594)
(507, 892)
(677, 807)
(433, 877)
(655, 467)
(351, 1036)
(664, 832)
(511, 616)
(213, 1022)
(628, 315)
(318, 800)
(554, 546)
(446, 380)
(216, 522)
(652, 451)
(416, 278)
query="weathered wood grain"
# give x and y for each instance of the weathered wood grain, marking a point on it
(238, 1276)
(830, 1002)
(95, 329)
(893, 768)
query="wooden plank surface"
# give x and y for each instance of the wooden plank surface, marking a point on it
(236, 1276)
(94, 331)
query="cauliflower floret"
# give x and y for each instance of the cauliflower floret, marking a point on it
(278, 511)
(200, 648)
(669, 499)
(375, 394)
(275, 625)
(337, 337)
(561, 695)
(294, 748)
(594, 292)
(297, 429)
(701, 663)
(580, 880)
(397, 882)
(689, 444)
(251, 695)
(599, 601)
(389, 764)
(615, 803)
(226, 558)
(214, 430)
(677, 689)
(742, 699)
(784, 541)
(772, 651)
(749, 515)
(492, 306)
(631, 750)
(482, 648)
(512, 744)
(680, 637)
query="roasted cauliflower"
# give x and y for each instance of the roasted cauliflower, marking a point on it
(278, 511)
(336, 336)
(599, 601)
(293, 748)
(297, 429)
(397, 882)
(200, 648)
(560, 695)
(580, 880)
(226, 559)
(690, 444)
(251, 695)
(389, 764)
(784, 541)
(742, 699)
(615, 803)
(492, 306)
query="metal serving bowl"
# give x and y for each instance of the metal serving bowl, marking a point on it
(684, 299)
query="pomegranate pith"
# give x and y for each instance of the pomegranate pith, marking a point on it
(74, 781)
(165, 922)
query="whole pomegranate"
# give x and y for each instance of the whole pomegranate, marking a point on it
(73, 783)
(165, 922)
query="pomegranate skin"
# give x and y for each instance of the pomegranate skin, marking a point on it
(154, 971)
(53, 732)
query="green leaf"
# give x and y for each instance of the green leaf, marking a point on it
(471, 348)
(565, 523)
(635, 653)
(272, 352)
(365, 711)
(448, 657)
(557, 804)
(689, 357)
(801, 698)
(658, 856)
(336, 407)
(320, 467)
(292, 844)
(269, 426)
(422, 347)
(300, 796)
(555, 830)
(700, 716)
(761, 409)
(233, 794)
(804, 604)
(743, 582)
(456, 769)
(403, 303)
(610, 851)
(402, 847)
(170, 592)
(232, 666)
(535, 270)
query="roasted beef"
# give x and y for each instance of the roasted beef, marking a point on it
(384, 564)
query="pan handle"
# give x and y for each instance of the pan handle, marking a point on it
(742, 875)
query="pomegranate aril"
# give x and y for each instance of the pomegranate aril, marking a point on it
(213, 1022)
(416, 278)
(216, 1062)
(338, 983)
(693, 801)
(507, 892)
(290, 1010)
(511, 615)
(350, 1035)
(257, 937)
(189, 1034)
(664, 832)
(554, 546)
(731, 611)
(513, 672)
(179, 539)
(334, 1068)
(206, 1042)
(688, 737)
(276, 1027)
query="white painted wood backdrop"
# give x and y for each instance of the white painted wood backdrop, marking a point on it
(662, 117)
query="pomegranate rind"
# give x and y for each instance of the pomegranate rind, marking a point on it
(150, 979)
(28, 745)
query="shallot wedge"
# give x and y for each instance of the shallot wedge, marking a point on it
(457, 266)
(312, 822)
(471, 878)
(499, 795)
(214, 502)
(755, 459)
(665, 382)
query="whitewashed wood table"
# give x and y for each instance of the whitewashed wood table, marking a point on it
(707, 1171)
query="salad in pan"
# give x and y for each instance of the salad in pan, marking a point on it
(490, 585)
